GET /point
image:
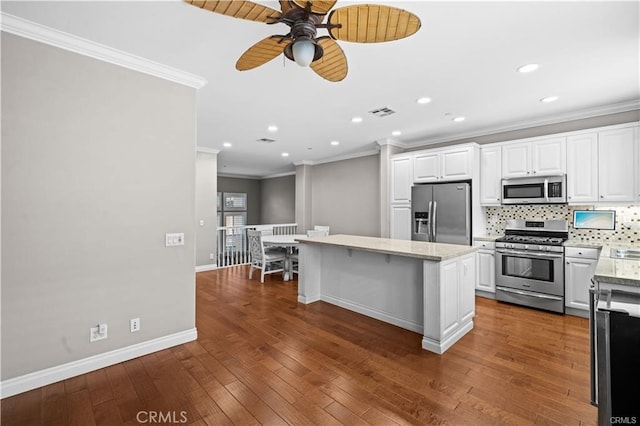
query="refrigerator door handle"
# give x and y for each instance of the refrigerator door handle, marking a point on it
(433, 222)
(429, 235)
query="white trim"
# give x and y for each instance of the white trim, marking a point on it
(277, 175)
(50, 375)
(37, 32)
(207, 150)
(205, 268)
(341, 157)
(526, 124)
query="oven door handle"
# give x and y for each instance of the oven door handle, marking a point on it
(531, 253)
(526, 293)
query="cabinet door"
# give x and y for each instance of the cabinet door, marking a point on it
(490, 175)
(516, 160)
(426, 167)
(400, 222)
(578, 274)
(401, 179)
(486, 271)
(616, 159)
(548, 156)
(582, 168)
(457, 164)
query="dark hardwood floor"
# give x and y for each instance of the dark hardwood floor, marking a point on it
(262, 358)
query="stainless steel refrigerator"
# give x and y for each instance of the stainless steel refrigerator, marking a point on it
(441, 213)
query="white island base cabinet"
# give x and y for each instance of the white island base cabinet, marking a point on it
(435, 298)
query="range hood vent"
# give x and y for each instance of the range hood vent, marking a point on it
(266, 140)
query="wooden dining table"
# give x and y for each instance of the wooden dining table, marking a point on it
(288, 242)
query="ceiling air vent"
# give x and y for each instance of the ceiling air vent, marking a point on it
(266, 140)
(382, 112)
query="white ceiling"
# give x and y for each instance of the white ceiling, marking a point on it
(464, 58)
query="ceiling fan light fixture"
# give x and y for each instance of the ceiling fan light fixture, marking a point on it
(303, 52)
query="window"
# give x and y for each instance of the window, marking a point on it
(232, 214)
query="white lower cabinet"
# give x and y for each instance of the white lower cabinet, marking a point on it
(579, 268)
(486, 266)
(400, 221)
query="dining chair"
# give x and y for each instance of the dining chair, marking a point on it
(317, 233)
(268, 261)
(322, 228)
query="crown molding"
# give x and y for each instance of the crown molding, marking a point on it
(339, 157)
(392, 142)
(207, 150)
(43, 34)
(525, 124)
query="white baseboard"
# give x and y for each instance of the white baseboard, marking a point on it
(204, 268)
(50, 375)
(382, 316)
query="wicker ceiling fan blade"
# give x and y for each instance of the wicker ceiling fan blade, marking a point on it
(262, 52)
(372, 23)
(320, 7)
(332, 65)
(239, 9)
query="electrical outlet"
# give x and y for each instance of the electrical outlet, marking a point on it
(210, 256)
(134, 325)
(98, 332)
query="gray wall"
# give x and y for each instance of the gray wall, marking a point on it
(97, 165)
(278, 197)
(206, 205)
(346, 196)
(249, 186)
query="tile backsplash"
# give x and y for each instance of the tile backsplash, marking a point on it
(627, 221)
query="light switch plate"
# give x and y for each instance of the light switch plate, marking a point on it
(174, 239)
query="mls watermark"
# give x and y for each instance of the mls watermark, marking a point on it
(623, 420)
(162, 417)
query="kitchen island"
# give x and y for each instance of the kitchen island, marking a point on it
(424, 287)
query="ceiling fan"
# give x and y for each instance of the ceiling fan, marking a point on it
(361, 23)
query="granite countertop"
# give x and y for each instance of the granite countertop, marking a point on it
(583, 244)
(417, 249)
(617, 271)
(487, 237)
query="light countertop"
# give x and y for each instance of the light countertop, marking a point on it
(617, 271)
(487, 237)
(417, 249)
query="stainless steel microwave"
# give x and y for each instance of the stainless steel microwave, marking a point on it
(535, 190)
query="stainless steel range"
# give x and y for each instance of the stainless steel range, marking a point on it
(530, 263)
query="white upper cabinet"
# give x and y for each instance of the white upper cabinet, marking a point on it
(616, 160)
(443, 165)
(490, 175)
(426, 167)
(582, 168)
(541, 157)
(401, 179)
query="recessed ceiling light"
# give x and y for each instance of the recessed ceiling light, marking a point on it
(227, 144)
(458, 119)
(528, 68)
(272, 128)
(423, 100)
(549, 99)
(335, 143)
(396, 133)
(356, 120)
(285, 154)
